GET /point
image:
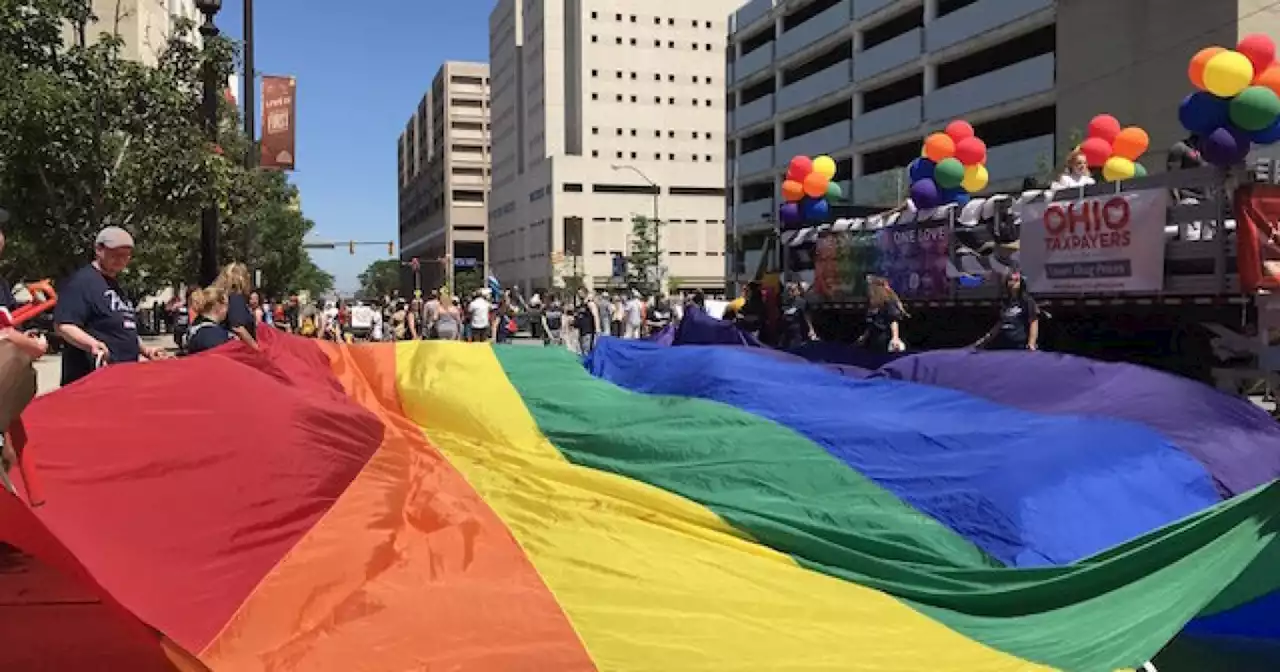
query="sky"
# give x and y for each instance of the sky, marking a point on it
(360, 73)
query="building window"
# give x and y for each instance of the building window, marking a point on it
(618, 98)
(633, 155)
(708, 24)
(633, 99)
(695, 102)
(633, 18)
(617, 40)
(671, 134)
(657, 134)
(617, 17)
(671, 22)
(595, 153)
(657, 100)
(695, 79)
(695, 135)
(695, 158)
(671, 157)
(595, 15)
(671, 100)
(708, 157)
(618, 132)
(572, 187)
(595, 73)
(657, 43)
(633, 132)
(633, 76)
(671, 78)
(633, 41)
(695, 23)
(595, 130)
(708, 103)
(671, 44)
(657, 21)
(595, 38)
(708, 80)
(595, 96)
(617, 73)
(657, 156)
(695, 46)
(657, 77)
(618, 155)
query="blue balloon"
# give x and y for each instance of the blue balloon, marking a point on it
(1268, 135)
(816, 209)
(1202, 113)
(920, 169)
(958, 196)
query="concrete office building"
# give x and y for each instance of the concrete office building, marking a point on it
(602, 110)
(144, 25)
(866, 80)
(443, 159)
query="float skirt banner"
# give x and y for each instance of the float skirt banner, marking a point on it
(1258, 237)
(279, 114)
(1111, 243)
(913, 257)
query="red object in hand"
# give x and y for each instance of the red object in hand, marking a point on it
(38, 305)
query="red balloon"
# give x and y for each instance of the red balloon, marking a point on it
(959, 130)
(800, 168)
(1104, 126)
(1096, 151)
(1259, 49)
(971, 151)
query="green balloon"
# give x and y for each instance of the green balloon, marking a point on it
(834, 192)
(1255, 108)
(949, 173)
(1139, 170)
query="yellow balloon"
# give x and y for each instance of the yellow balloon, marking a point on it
(975, 178)
(1227, 74)
(825, 166)
(1118, 168)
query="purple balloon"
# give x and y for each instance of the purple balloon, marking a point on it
(789, 213)
(1203, 112)
(925, 193)
(1225, 146)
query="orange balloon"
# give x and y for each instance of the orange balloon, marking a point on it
(1130, 143)
(792, 191)
(1196, 70)
(1269, 78)
(815, 185)
(939, 146)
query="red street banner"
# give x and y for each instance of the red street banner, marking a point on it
(279, 112)
(1258, 237)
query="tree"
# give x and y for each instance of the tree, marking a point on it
(465, 283)
(311, 279)
(90, 139)
(892, 188)
(644, 263)
(381, 278)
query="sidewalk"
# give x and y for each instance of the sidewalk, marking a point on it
(49, 367)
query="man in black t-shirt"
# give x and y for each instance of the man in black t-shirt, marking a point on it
(94, 315)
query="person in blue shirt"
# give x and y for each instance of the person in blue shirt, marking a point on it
(94, 314)
(211, 306)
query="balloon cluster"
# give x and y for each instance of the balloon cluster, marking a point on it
(808, 190)
(1114, 149)
(1238, 103)
(951, 167)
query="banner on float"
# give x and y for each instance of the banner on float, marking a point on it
(279, 114)
(913, 257)
(1258, 237)
(1111, 243)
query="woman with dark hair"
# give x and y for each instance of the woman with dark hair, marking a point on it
(885, 312)
(1019, 325)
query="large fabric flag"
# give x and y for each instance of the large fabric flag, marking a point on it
(456, 506)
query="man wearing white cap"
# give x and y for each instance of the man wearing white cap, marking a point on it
(94, 315)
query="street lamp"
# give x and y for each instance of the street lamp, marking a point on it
(209, 107)
(657, 225)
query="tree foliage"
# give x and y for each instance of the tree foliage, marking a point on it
(381, 278)
(465, 283)
(644, 262)
(90, 139)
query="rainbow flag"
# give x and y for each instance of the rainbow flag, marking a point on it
(438, 505)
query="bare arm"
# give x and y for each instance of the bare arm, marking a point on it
(33, 346)
(247, 338)
(1033, 334)
(79, 338)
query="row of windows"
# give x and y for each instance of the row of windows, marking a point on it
(657, 156)
(657, 100)
(696, 135)
(657, 77)
(671, 44)
(657, 20)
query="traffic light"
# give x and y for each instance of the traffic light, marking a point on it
(352, 246)
(391, 249)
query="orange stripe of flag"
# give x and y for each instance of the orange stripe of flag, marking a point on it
(410, 569)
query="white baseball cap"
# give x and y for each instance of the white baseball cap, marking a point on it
(113, 237)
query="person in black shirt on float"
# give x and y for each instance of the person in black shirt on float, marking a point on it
(94, 315)
(211, 306)
(1019, 325)
(797, 328)
(884, 313)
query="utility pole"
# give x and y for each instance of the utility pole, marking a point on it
(250, 120)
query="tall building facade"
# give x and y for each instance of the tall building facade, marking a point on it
(865, 80)
(144, 25)
(604, 110)
(444, 177)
